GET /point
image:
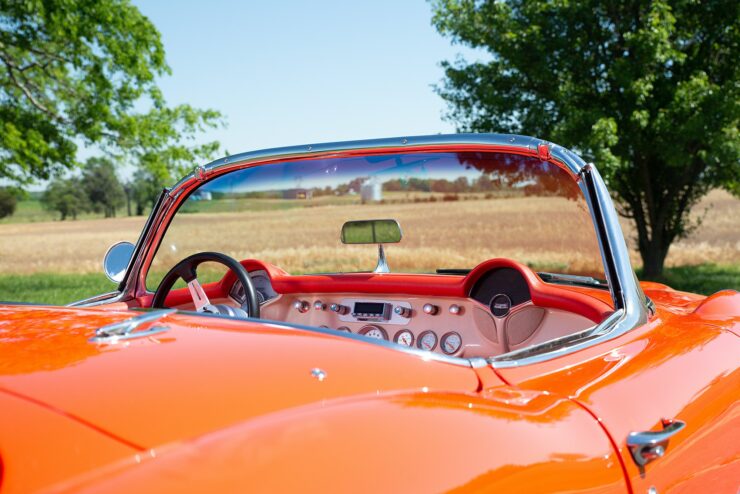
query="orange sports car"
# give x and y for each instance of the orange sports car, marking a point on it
(427, 314)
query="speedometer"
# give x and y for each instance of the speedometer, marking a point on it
(372, 331)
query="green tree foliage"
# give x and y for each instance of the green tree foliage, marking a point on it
(650, 90)
(144, 189)
(77, 71)
(102, 187)
(7, 202)
(67, 196)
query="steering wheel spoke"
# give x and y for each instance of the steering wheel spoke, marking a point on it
(200, 299)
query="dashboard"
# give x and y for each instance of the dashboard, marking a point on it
(486, 313)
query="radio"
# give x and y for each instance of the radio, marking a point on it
(371, 311)
(363, 310)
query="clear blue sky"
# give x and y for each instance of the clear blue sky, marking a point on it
(297, 72)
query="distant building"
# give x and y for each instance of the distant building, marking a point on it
(297, 194)
(371, 192)
(201, 195)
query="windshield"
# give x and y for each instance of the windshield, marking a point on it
(455, 210)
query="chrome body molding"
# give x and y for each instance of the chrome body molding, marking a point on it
(126, 330)
(104, 298)
(631, 305)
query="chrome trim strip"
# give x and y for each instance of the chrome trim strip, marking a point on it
(104, 298)
(124, 330)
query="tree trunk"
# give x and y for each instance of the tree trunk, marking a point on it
(653, 252)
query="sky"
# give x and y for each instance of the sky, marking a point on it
(298, 72)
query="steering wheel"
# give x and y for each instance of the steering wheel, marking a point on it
(186, 269)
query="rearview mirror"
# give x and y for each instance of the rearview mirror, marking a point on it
(116, 260)
(371, 232)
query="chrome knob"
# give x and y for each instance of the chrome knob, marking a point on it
(455, 309)
(301, 306)
(339, 309)
(402, 311)
(319, 305)
(430, 309)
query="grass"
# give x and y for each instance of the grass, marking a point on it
(703, 278)
(53, 289)
(61, 289)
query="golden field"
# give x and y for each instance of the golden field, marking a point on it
(545, 232)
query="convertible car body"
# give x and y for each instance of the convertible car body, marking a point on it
(501, 344)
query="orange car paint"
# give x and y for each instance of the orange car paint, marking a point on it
(394, 442)
(679, 366)
(194, 378)
(39, 446)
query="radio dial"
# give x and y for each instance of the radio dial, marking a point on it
(339, 309)
(301, 306)
(402, 311)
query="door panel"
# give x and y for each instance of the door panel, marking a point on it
(676, 368)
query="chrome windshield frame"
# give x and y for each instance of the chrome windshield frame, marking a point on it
(630, 303)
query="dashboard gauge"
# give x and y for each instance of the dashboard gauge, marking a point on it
(451, 343)
(427, 340)
(344, 329)
(404, 337)
(372, 331)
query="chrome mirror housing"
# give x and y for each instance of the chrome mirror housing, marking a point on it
(116, 260)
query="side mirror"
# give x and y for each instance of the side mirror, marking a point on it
(371, 232)
(116, 260)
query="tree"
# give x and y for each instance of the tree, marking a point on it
(102, 186)
(72, 72)
(7, 202)
(648, 90)
(145, 188)
(66, 196)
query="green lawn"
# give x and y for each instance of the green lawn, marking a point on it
(60, 289)
(57, 289)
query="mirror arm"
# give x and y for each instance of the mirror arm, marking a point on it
(382, 266)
